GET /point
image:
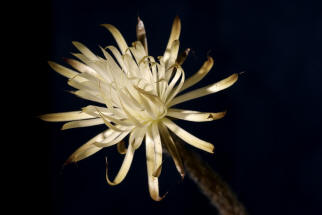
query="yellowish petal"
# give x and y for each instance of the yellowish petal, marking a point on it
(118, 57)
(80, 66)
(175, 32)
(82, 123)
(187, 137)
(174, 52)
(88, 148)
(124, 168)
(106, 119)
(85, 51)
(221, 85)
(118, 37)
(65, 116)
(151, 166)
(203, 71)
(194, 116)
(62, 70)
(88, 96)
(113, 139)
(172, 149)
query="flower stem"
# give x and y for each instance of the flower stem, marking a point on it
(210, 183)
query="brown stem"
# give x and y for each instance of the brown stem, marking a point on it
(210, 183)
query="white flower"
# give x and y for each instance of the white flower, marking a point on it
(137, 94)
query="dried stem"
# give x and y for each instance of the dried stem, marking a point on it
(210, 183)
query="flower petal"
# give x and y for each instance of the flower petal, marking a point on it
(114, 138)
(118, 37)
(151, 166)
(176, 90)
(64, 71)
(82, 123)
(85, 51)
(88, 148)
(106, 119)
(187, 137)
(88, 96)
(137, 136)
(172, 149)
(118, 57)
(80, 66)
(194, 116)
(124, 168)
(175, 33)
(174, 52)
(203, 71)
(141, 35)
(221, 85)
(65, 116)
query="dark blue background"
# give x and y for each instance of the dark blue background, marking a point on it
(268, 147)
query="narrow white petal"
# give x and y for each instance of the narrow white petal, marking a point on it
(80, 66)
(203, 71)
(65, 116)
(64, 71)
(174, 35)
(88, 96)
(124, 168)
(151, 166)
(119, 136)
(187, 137)
(82, 123)
(157, 146)
(88, 148)
(176, 90)
(174, 52)
(194, 116)
(85, 51)
(118, 37)
(172, 149)
(118, 57)
(221, 85)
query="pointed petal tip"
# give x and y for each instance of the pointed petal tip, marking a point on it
(182, 174)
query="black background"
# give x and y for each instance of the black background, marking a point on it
(268, 147)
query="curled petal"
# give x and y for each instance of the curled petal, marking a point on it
(124, 168)
(88, 148)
